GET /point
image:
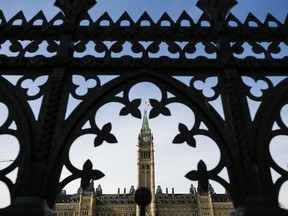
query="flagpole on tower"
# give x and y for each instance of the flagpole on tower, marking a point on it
(146, 104)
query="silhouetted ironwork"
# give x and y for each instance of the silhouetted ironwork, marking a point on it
(49, 55)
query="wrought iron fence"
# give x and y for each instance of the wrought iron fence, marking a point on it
(217, 45)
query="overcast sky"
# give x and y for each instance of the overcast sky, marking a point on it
(118, 161)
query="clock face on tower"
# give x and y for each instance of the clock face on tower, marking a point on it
(145, 138)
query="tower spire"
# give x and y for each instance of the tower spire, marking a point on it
(145, 124)
(145, 162)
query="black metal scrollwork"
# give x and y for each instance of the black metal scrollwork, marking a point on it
(58, 63)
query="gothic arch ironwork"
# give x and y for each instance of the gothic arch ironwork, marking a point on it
(20, 116)
(275, 102)
(125, 83)
(133, 50)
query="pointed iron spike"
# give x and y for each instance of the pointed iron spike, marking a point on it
(185, 16)
(105, 17)
(19, 16)
(42, 15)
(165, 14)
(86, 16)
(58, 16)
(125, 17)
(231, 17)
(39, 16)
(165, 17)
(271, 18)
(145, 17)
(203, 17)
(252, 18)
(2, 18)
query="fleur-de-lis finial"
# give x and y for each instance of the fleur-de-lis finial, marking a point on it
(74, 8)
(201, 174)
(216, 10)
(89, 174)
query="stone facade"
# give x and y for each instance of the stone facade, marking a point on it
(122, 204)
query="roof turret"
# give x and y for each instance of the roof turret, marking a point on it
(132, 190)
(192, 189)
(159, 190)
(99, 190)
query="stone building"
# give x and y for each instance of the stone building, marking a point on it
(93, 202)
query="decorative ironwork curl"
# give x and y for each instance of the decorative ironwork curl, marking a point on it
(271, 31)
(165, 48)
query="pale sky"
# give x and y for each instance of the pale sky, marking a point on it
(118, 161)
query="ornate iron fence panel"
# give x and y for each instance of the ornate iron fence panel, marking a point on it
(241, 61)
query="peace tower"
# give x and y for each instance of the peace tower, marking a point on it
(145, 162)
